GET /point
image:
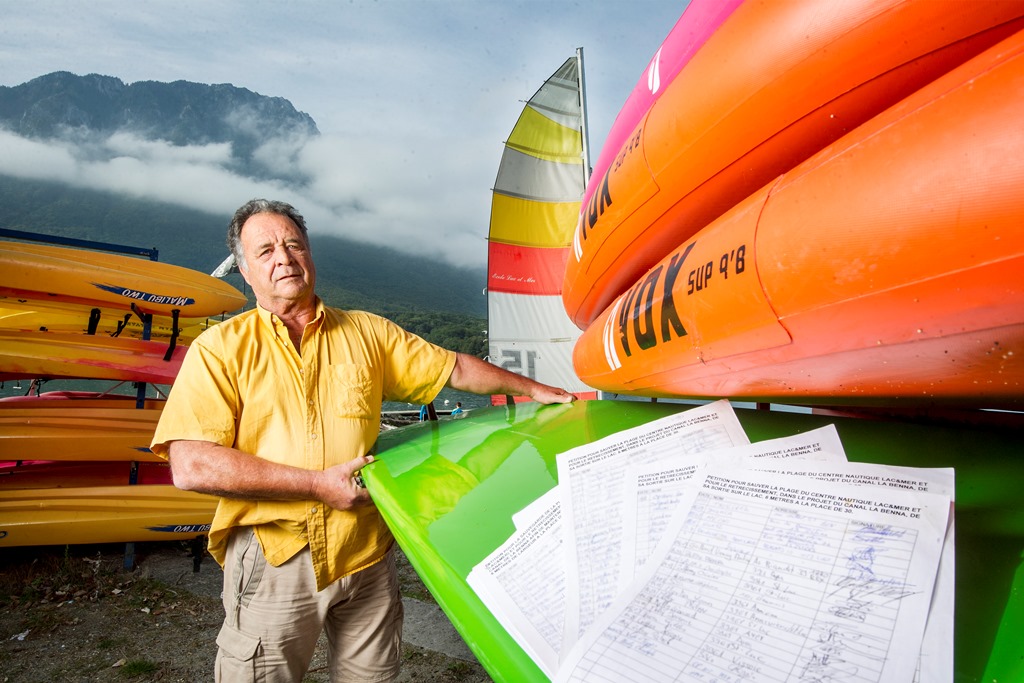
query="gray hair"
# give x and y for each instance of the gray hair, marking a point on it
(250, 209)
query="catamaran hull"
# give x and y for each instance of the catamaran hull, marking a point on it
(449, 491)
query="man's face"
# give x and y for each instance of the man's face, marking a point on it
(278, 264)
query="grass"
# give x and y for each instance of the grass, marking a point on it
(460, 670)
(52, 577)
(122, 623)
(134, 668)
(128, 626)
(409, 583)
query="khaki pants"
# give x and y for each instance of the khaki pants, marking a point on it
(274, 616)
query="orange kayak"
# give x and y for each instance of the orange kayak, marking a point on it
(886, 269)
(774, 84)
(48, 273)
(58, 430)
(48, 474)
(55, 354)
(78, 399)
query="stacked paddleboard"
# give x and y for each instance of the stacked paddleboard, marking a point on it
(75, 467)
(821, 206)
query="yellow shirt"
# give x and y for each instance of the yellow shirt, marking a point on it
(242, 384)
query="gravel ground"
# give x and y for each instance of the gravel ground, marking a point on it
(75, 614)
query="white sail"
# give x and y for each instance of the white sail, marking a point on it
(534, 209)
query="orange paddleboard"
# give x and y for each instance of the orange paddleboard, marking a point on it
(776, 83)
(886, 269)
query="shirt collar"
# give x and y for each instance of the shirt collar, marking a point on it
(274, 323)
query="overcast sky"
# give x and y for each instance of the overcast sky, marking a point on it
(413, 98)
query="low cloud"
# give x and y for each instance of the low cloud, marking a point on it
(160, 151)
(344, 185)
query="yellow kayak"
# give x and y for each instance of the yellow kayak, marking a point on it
(49, 273)
(61, 430)
(61, 354)
(102, 514)
(36, 315)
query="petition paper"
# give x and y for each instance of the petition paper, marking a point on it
(770, 579)
(653, 490)
(523, 582)
(936, 664)
(592, 481)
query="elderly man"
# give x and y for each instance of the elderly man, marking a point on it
(275, 411)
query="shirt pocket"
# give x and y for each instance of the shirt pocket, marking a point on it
(352, 391)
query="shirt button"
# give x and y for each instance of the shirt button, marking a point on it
(313, 510)
(313, 436)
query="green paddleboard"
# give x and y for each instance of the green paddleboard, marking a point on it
(448, 490)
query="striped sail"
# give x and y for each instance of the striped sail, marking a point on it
(534, 209)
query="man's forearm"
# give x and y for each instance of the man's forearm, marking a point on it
(229, 473)
(480, 377)
(221, 471)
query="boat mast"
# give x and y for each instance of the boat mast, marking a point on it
(584, 126)
(585, 131)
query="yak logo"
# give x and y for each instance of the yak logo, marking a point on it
(654, 73)
(632, 318)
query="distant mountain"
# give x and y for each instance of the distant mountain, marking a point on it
(437, 300)
(64, 105)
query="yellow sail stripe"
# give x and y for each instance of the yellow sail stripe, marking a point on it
(541, 137)
(539, 224)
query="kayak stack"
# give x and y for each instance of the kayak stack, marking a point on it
(75, 465)
(813, 202)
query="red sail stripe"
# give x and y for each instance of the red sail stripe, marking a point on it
(518, 269)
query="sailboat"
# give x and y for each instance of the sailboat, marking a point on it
(534, 209)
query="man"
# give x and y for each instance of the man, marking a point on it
(275, 411)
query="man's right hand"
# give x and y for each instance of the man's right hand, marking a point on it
(338, 488)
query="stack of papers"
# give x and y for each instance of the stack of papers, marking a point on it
(678, 547)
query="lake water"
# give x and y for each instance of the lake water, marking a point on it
(445, 401)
